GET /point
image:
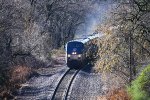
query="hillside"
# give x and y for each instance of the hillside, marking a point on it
(124, 50)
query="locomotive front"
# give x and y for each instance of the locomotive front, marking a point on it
(74, 54)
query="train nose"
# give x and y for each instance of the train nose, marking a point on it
(74, 64)
(74, 56)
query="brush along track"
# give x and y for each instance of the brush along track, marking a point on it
(63, 87)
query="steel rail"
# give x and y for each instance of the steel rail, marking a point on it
(68, 86)
(68, 89)
(53, 97)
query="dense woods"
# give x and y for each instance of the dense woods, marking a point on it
(31, 29)
(124, 50)
(34, 27)
(127, 34)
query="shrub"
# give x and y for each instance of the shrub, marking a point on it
(12, 80)
(56, 52)
(140, 87)
(19, 74)
(116, 94)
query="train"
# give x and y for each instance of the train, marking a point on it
(81, 50)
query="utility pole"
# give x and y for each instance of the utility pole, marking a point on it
(131, 57)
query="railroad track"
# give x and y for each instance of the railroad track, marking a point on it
(63, 87)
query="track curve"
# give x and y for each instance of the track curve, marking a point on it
(63, 87)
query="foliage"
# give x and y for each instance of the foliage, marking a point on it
(56, 52)
(140, 87)
(12, 80)
(19, 74)
(126, 42)
(31, 29)
(116, 94)
(34, 27)
(113, 55)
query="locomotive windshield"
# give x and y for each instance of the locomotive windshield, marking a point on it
(75, 47)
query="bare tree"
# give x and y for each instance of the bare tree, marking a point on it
(132, 20)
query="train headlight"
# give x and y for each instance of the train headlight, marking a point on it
(74, 53)
(79, 55)
(69, 55)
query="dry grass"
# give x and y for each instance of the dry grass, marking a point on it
(19, 74)
(116, 94)
(57, 57)
(57, 52)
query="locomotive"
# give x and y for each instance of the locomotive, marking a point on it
(80, 51)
